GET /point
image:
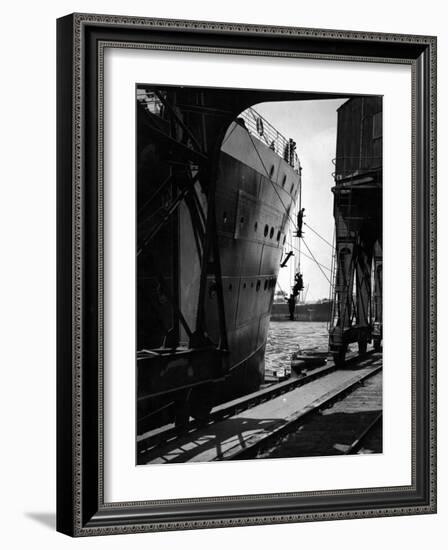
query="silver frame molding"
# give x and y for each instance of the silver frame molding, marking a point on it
(81, 509)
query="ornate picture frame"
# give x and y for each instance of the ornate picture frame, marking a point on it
(81, 506)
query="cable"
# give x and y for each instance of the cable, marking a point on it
(292, 221)
(281, 289)
(310, 258)
(320, 236)
(318, 264)
(286, 210)
(271, 182)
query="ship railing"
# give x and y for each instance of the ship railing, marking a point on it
(254, 123)
(263, 130)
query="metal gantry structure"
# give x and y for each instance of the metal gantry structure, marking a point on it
(176, 177)
(357, 278)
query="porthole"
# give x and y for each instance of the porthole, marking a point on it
(271, 171)
(266, 284)
(266, 230)
(224, 217)
(284, 239)
(258, 286)
(251, 285)
(292, 187)
(284, 180)
(212, 290)
(255, 226)
(230, 286)
(242, 220)
(244, 285)
(271, 233)
(279, 234)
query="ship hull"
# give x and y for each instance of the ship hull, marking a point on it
(254, 200)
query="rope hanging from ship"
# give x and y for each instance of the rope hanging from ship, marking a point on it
(298, 276)
(319, 235)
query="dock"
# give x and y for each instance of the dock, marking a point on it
(246, 427)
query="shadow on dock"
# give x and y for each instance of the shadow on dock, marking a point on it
(208, 443)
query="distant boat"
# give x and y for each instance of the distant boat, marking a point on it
(316, 312)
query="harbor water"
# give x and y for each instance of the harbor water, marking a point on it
(284, 338)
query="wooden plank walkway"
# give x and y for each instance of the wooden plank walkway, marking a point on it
(336, 428)
(227, 437)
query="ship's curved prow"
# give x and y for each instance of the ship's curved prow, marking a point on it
(211, 230)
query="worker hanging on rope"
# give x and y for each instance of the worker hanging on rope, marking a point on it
(298, 286)
(300, 216)
(296, 289)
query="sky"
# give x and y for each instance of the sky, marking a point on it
(312, 124)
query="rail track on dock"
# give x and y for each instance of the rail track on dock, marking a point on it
(357, 443)
(253, 445)
(349, 422)
(169, 444)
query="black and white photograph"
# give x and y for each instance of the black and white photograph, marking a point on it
(220, 265)
(259, 237)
